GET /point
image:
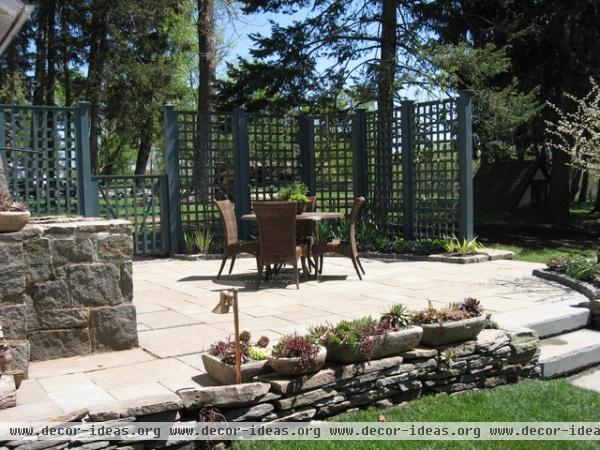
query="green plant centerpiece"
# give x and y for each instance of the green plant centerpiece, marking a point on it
(13, 215)
(297, 192)
(458, 322)
(199, 240)
(464, 247)
(297, 355)
(366, 338)
(219, 361)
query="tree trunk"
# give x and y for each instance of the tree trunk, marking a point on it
(64, 42)
(40, 55)
(96, 62)
(385, 104)
(559, 188)
(50, 82)
(585, 186)
(145, 147)
(575, 180)
(203, 162)
(597, 201)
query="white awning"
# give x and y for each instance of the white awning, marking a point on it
(13, 15)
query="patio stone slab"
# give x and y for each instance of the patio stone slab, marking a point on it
(71, 399)
(180, 340)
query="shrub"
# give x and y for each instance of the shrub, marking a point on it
(7, 204)
(583, 269)
(464, 247)
(419, 247)
(558, 264)
(294, 346)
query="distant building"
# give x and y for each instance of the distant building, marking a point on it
(511, 187)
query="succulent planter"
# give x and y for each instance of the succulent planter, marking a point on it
(392, 344)
(436, 334)
(11, 221)
(225, 373)
(292, 366)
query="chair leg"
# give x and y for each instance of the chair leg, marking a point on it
(232, 263)
(305, 269)
(260, 269)
(356, 267)
(360, 265)
(222, 266)
(296, 272)
(321, 264)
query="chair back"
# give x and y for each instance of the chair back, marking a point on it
(277, 228)
(229, 221)
(358, 203)
(306, 227)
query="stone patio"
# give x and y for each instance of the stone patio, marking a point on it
(174, 300)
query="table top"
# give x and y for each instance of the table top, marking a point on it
(314, 216)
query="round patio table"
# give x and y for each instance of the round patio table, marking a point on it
(314, 216)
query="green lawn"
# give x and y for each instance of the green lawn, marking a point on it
(542, 401)
(542, 255)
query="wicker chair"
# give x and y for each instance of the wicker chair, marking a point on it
(345, 248)
(305, 234)
(277, 228)
(233, 246)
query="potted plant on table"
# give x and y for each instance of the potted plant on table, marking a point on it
(458, 322)
(13, 215)
(366, 338)
(219, 361)
(295, 192)
(297, 355)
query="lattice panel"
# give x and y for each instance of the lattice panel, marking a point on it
(334, 162)
(436, 169)
(206, 167)
(274, 154)
(385, 189)
(136, 198)
(42, 168)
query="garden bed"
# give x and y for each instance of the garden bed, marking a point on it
(484, 255)
(587, 289)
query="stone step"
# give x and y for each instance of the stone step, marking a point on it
(569, 352)
(549, 319)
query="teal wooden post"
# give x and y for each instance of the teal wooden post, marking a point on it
(241, 154)
(359, 153)
(307, 152)
(165, 232)
(407, 118)
(87, 189)
(172, 169)
(465, 159)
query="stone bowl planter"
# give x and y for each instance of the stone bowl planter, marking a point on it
(225, 373)
(291, 366)
(436, 334)
(394, 343)
(11, 221)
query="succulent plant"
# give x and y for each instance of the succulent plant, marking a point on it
(294, 346)
(397, 316)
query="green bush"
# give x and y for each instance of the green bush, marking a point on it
(582, 269)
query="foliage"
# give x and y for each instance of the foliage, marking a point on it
(363, 333)
(464, 247)
(558, 264)
(295, 192)
(225, 350)
(580, 268)
(7, 204)
(576, 131)
(397, 316)
(466, 309)
(419, 246)
(294, 346)
(199, 240)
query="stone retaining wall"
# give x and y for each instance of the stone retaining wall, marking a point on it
(66, 288)
(496, 358)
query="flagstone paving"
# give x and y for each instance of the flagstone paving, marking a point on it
(174, 301)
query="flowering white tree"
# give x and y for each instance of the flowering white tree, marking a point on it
(577, 132)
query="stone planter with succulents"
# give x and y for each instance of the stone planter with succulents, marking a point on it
(455, 323)
(366, 338)
(297, 355)
(13, 215)
(219, 361)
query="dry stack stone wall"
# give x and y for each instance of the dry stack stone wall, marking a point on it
(66, 288)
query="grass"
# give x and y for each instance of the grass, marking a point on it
(542, 255)
(528, 401)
